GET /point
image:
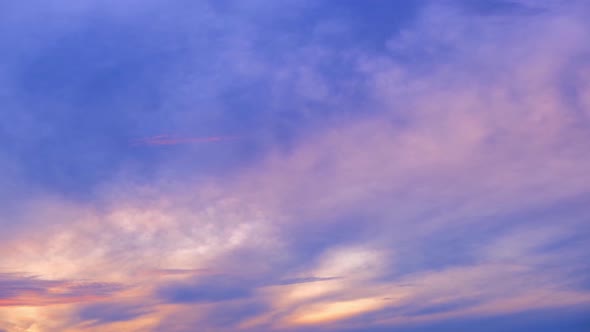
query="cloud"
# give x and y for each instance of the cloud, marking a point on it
(209, 289)
(442, 176)
(22, 290)
(106, 313)
(169, 140)
(233, 314)
(305, 280)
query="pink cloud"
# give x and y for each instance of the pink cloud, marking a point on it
(174, 140)
(471, 148)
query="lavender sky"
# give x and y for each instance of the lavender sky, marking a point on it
(295, 165)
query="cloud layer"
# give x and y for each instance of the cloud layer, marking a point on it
(418, 174)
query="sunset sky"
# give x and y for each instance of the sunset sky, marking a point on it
(294, 165)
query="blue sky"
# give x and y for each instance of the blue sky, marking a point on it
(294, 165)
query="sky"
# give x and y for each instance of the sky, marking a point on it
(295, 165)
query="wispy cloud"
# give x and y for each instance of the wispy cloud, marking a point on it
(23, 290)
(175, 140)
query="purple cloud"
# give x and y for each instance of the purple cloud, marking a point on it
(409, 172)
(23, 290)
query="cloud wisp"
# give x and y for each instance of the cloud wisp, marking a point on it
(160, 140)
(22, 290)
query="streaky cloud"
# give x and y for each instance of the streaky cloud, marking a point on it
(25, 290)
(173, 140)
